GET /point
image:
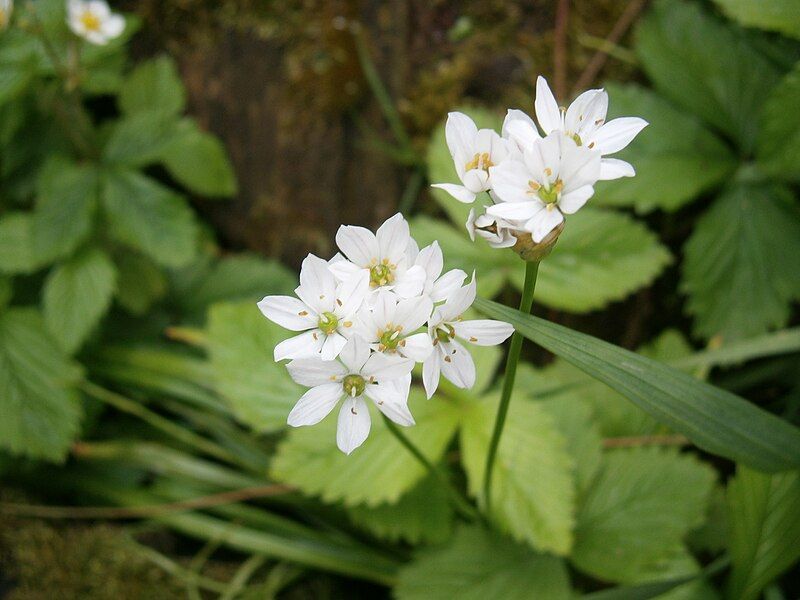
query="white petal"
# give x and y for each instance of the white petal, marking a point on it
(353, 425)
(476, 180)
(430, 258)
(543, 159)
(515, 211)
(459, 192)
(343, 269)
(332, 346)
(417, 347)
(393, 238)
(413, 313)
(510, 181)
(547, 111)
(447, 284)
(311, 372)
(317, 283)
(113, 26)
(391, 402)
(384, 367)
(614, 168)
(457, 364)
(617, 133)
(584, 110)
(354, 354)
(571, 202)
(358, 244)
(99, 8)
(460, 131)
(350, 294)
(315, 404)
(458, 302)
(543, 223)
(519, 128)
(579, 166)
(430, 373)
(305, 345)
(411, 283)
(483, 332)
(288, 312)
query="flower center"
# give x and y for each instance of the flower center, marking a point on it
(90, 21)
(445, 333)
(390, 338)
(549, 195)
(481, 160)
(353, 385)
(381, 274)
(328, 322)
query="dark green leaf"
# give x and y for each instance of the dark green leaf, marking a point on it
(16, 244)
(139, 139)
(153, 85)
(779, 137)
(715, 420)
(773, 15)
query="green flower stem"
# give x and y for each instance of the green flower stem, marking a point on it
(459, 502)
(531, 271)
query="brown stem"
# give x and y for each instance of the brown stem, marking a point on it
(646, 440)
(598, 61)
(560, 49)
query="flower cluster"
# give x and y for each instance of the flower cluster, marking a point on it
(93, 21)
(535, 176)
(366, 317)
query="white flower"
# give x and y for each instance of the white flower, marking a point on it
(384, 256)
(437, 286)
(94, 21)
(584, 121)
(474, 151)
(555, 176)
(325, 311)
(383, 379)
(6, 8)
(449, 357)
(497, 232)
(390, 325)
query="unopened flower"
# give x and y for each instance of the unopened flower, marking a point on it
(357, 374)
(94, 21)
(555, 177)
(474, 152)
(390, 325)
(6, 8)
(497, 232)
(383, 256)
(449, 357)
(325, 310)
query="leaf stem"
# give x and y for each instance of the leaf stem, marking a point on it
(531, 271)
(459, 502)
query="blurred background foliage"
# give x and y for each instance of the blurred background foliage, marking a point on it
(152, 191)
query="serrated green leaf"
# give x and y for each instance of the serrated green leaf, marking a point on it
(424, 514)
(773, 15)
(140, 139)
(240, 344)
(65, 206)
(637, 511)
(76, 295)
(478, 564)
(198, 161)
(676, 158)
(679, 564)
(380, 471)
(16, 244)
(154, 84)
(705, 66)
(533, 485)
(764, 529)
(736, 271)
(41, 411)
(714, 419)
(778, 148)
(140, 282)
(150, 217)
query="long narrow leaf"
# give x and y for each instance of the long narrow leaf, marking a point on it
(714, 419)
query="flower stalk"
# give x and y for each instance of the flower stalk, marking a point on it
(531, 272)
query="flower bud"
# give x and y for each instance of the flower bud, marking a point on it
(529, 250)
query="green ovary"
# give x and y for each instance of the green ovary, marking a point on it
(328, 322)
(353, 385)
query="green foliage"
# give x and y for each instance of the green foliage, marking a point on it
(745, 285)
(140, 283)
(76, 295)
(16, 244)
(139, 139)
(779, 138)
(478, 564)
(764, 529)
(380, 471)
(533, 490)
(153, 85)
(424, 514)
(41, 412)
(774, 15)
(714, 419)
(240, 343)
(637, 511)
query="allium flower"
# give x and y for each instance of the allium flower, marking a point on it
(6, 8)
(94, 21)
(383, 256)
(358, 373)
(390, 326)
(496, 231)
(437, 286)
(584, 121)
(474, 151)
(325, 311)
(555, 176)
(449, 357)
